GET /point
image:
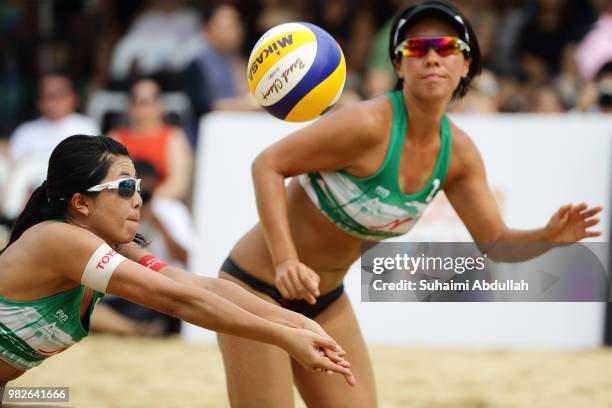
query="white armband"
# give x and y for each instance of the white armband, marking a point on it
(100, 268)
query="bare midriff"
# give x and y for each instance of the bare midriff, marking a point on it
(323, 247)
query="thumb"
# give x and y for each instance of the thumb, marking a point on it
(563, 210)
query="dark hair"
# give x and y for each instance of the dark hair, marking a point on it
(209, 11)
(145, 168)
(441, 10)
(77, 163)
(57, 73)
(136, 80)
(605, 69)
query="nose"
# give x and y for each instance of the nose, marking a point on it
(137, 201)
(432, 58)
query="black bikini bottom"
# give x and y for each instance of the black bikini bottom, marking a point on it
(297, 305)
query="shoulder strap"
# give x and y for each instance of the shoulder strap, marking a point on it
(446, 149)
(398, 137)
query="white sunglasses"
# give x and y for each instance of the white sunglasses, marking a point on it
(126, 187)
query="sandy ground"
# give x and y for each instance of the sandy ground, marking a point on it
(129, 372)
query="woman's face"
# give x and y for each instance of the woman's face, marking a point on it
(145, 102)
(431, 77)
(112, 217)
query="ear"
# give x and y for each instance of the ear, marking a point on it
(466, 66)
(81, 203)
(397, 64)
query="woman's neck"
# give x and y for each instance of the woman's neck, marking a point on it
(146, 126)
(424, 117)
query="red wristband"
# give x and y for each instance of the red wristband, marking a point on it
(151, 262)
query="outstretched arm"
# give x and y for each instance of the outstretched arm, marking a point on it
(473, 200)
(241, 297)
(225, 289)
(87, 259)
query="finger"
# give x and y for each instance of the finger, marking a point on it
(328, 365)
(300, 291)
(591, 222)
(312, 282)
(562, 213)
(591, 212)
(581, 207)
(280, 285)
(310, 286)
(309, 298)
(289, 286)
(592, 234)
(350, 379)
(336, 358)
(564, 217)
(563, 209)
(327, 343)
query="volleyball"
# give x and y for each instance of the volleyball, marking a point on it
(296, 71)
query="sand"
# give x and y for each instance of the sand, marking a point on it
(104, 371)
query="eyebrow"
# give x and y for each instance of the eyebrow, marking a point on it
(125, 173)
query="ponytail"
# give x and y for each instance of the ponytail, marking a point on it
(39, 208)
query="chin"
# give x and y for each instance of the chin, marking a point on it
(434, 96)
(127, 236)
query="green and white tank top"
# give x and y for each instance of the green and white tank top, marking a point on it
(31, 331)
(374, 208)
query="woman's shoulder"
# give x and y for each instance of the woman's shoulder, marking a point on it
(53, 234)
(463, 148)
(369, 114)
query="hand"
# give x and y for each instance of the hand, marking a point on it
(571, 223)
(334, 355)
(294, 280)
(311, 351)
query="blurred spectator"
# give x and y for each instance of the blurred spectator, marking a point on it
(485, 20)
(510, 22)
(18, 52)
(275, 12)
(165, 222)
(147, 137)
(542, 40)
(595, 50)
(596, 96)
(57, 103)
(216, 78)
(482, 97)
(166, 225)
(380, 75)
(545, 99)
(604, 88)
(352, 25)
(161, 41)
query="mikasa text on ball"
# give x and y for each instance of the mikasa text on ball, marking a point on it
(296, 71)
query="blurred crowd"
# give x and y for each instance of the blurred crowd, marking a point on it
(145, 71)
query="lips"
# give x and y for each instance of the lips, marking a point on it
(433, 76)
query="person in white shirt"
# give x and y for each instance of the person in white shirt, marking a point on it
(31, 144)
(57, 103)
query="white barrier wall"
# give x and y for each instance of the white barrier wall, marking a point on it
(534, 165)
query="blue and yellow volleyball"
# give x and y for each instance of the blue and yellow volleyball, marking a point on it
(296, 71)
